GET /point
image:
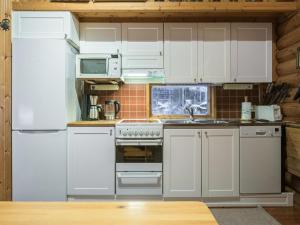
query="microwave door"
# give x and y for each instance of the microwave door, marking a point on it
(94, 67)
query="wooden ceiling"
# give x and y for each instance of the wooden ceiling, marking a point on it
(162, 10)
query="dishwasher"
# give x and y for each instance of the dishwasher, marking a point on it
(260, 159)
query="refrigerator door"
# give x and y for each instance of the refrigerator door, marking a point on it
(38, 84)
(39, 165)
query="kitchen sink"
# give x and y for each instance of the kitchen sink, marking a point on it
(195, 121)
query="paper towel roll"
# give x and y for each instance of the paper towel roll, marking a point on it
(246, 110)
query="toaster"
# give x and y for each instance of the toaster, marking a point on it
(268, 112)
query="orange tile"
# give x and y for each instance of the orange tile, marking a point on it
(133, 108)
(133, 100)
(140, 93)
(141, 100)
(132, 115)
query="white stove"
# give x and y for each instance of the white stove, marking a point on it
(139, 129)
(139, 152)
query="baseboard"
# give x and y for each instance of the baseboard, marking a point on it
(285, 199)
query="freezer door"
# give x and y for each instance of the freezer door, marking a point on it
(39, 166)
(38, 84)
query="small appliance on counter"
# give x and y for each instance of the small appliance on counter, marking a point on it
(268, 112)
(112, 108)
(95, 109)
(246, 109)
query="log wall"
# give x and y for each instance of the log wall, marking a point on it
(288, 32)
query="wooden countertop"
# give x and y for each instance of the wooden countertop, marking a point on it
(105, 213)
(93, 123)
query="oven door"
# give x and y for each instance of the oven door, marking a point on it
(139, 151)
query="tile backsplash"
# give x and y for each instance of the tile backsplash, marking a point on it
(133, 100)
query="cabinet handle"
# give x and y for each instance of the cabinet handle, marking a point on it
(110, 132)
(206, 134)
(160, 53)
(195, 80)
(118, 51)
(234, 79)
(200, 79)
(199, 134)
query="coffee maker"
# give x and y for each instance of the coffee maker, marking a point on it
(90, 109)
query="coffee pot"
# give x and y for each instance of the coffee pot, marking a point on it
(112, 108)
(95, 108)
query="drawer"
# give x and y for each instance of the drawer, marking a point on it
(139, 183)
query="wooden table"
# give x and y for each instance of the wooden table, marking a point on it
(105, 213)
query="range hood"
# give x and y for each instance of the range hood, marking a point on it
(143, 76)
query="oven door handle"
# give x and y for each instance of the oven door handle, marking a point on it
(156, 175)
(156, 142)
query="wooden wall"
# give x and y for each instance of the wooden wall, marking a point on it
(288, 42)
(5, 105)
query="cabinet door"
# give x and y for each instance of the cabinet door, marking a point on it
(214, 52)
(142, 45)
(180, 58)
(220, 162)
(182, 163)
(100, 38)
(251, 52)
(91, 161)
(49, 25)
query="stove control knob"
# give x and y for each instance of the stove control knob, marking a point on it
(136, 133)
(152, 133)
(124, 133)
(129, 133)
(157, 133)
(141, 133)
(146, 133)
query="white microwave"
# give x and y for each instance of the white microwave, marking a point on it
(98, 66)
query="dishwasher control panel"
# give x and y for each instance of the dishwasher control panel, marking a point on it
(260, 131)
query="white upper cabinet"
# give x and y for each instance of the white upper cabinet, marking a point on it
(100, 38)
(214, 52)
(56, 25)
(220, 163)
(180, 56)
(182, 163)
(91, 161)
(251, 52)
(142, 45)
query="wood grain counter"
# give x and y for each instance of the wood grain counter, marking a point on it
(93, 123)
(105, 213)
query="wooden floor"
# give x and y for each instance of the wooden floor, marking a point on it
(287, 215)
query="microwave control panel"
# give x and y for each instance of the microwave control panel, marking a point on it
(114, 69)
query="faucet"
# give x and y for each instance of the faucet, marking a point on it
(190, 109)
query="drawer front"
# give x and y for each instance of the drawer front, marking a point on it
(139, 183)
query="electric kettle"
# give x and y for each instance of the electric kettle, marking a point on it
(111, 108)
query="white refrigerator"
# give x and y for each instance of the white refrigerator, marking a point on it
(44, 100)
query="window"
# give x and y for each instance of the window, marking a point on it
(174, 99)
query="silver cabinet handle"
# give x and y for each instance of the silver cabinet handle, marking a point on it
(160, 53)
(199, 134)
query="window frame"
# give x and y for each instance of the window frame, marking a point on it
(212, 104)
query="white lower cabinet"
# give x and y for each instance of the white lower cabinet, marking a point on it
(91, 161)
(220, 162)
(182, 163)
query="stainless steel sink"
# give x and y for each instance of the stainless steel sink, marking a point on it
(196, 121)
